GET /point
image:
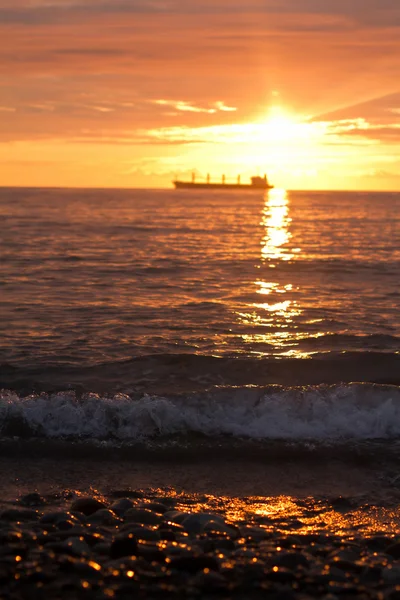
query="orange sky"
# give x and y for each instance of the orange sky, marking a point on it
(132, 92)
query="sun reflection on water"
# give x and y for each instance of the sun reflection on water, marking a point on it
(274, 325)
(276, 220)
(277, 317)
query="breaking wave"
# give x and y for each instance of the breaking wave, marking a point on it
(355, 411)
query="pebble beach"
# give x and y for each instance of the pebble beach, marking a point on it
(170, 542)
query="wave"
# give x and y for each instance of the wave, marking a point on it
(325, 413)
(165, 373)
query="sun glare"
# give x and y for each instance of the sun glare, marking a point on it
(278, 141)
(281, 126)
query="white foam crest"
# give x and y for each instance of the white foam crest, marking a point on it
(353, 411)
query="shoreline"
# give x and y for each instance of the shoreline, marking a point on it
(171, 543)
(375, 479)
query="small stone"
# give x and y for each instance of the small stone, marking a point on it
(78, 546)
(79, 567)
(156, 507)
(57, 517)
(378, 542)
(348, 566)
(336, 575)
(391, 575)
(121, 506)
(103, 548)
(143, 533)
(72, 546)
(87, 505)
(32, 499)
(218, 545)
(221, 528)
(167, 500)
(150, 552)
(394, 550)
(19, 514)
(143, 516)
(281, 575)
(124, 546)
(169, 531)
(65, 525)
(346, 554)
(195, 523)
(167, 535)
(371, 574)
(175, 516)
(64, 534)
(104, 516)
(210, 581)
(255, 534)
(291, 560)
(193, 564)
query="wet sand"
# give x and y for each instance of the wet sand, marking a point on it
(375, 481)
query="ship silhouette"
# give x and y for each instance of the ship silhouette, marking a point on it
(257, 183)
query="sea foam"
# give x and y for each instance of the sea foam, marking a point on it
(337, 412)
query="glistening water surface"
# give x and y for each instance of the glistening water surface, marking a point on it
(179, 301)
(92, 276)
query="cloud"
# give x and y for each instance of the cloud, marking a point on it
(101, 109)
(379, 108)
(184, 106)
(387, 134)
(221, 106)
(99, 61)
(372, 120)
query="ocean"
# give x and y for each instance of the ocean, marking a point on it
(200, 394)
(133, 315)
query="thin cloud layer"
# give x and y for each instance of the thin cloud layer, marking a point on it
(117, 71)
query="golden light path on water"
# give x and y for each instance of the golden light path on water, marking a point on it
(276, 221)
(276, 318)
(291, 515)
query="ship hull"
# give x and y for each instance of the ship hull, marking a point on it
(186, 185)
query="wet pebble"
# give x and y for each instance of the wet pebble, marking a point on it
(143, 533)
(32, 499)
(124, 545)
(156, 507)
(394, 550)
(121, 506)
(154, 546)
(104, 516)
(19, 514)
(87, 505)
(143, 516)
(196, 522)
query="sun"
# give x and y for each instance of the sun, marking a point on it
(276, 140)
(281, 126)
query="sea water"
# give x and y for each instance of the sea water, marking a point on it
(142, 314)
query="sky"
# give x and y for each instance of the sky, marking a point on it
(133, 93)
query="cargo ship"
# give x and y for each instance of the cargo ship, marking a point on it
(257, 183)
